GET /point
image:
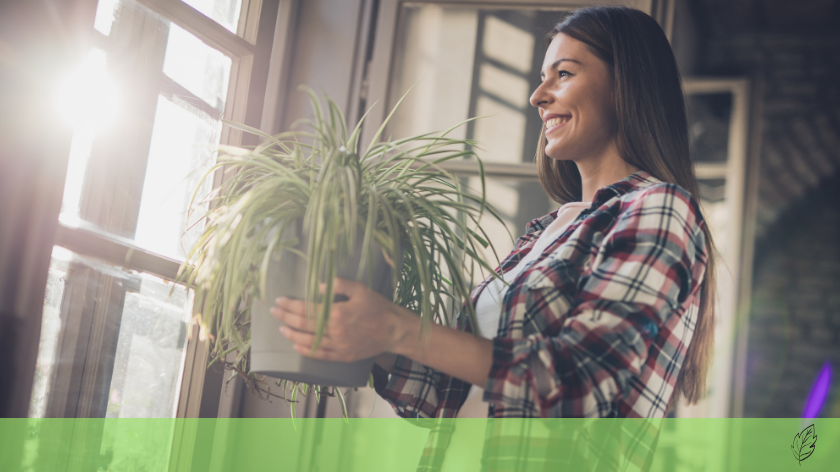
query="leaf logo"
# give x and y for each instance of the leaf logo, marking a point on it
(803, 444)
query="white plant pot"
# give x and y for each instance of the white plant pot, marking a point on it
(273, 355)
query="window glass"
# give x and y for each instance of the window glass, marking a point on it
(201, 69)
(105, 12)
(165, 130)
(716, 211)
(710, 115)
(87, 99)
(150, 317)
(150, 350)
(463, 61)
(224, 12)
(50, 328)
(80, 148)
(179, 155)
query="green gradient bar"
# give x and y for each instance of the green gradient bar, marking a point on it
(393, 445)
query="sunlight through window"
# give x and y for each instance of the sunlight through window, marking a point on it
(87, 100)
(105, 13)
(88, 97)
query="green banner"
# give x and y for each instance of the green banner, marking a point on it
(373, 445)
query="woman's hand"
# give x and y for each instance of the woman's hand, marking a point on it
(365, 325)
(368, 325)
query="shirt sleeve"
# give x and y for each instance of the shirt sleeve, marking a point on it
(591, 346)
(417, 391)
(411, 389)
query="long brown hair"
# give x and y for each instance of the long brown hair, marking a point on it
(652, 135)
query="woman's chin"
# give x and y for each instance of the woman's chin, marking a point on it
(559, 155)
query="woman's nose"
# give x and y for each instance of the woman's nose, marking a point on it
(540, 97)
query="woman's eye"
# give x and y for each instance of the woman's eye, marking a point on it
(564, 73)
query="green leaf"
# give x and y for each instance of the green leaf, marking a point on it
(292, 406)
(343, 404)
(803, 444)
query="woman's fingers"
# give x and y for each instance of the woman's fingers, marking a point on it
(341, 287)
(293, 313)
(296, 321)
(291, 305)
(304, 340)
(320, 354)
(361, 323)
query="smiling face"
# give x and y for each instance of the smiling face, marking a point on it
(575, 101)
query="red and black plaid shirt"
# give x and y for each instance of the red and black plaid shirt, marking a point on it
(597, 326)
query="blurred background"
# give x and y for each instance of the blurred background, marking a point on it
(112, 109)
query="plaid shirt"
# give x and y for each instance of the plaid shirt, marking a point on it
(596, 327)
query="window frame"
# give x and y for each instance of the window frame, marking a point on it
(379, 72)
(246, 93)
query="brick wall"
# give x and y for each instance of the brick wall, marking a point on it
(795, 320)
(801, 118)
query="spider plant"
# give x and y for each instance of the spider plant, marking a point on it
(394, 194)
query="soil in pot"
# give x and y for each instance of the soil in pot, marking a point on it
(273, 355)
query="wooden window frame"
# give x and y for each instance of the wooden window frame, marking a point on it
(375, 83)
(246, 92)
(379, 72)
(257, 57)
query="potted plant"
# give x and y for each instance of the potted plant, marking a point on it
(306, 206)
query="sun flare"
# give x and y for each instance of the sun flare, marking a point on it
(88, 97)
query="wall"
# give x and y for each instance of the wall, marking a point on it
(801, 108)
(795, 320)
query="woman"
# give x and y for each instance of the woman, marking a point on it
(609, 307)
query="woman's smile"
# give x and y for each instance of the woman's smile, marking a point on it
(554, 122)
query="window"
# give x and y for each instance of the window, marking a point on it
(718, 116)
(147, 107)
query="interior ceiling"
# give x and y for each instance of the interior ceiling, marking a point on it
(771, 16)
(792, 45)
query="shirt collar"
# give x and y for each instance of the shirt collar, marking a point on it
(632, 182)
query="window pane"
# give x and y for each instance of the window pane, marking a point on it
(173, 91)
(50, 327)
(105, 12)
(465, 61)
(225, 12)
(710, 115)
(716, 211)
(150, 351)
(202, 70)
(135, 323)
(80, 148)
(87, 101)
(181, 152)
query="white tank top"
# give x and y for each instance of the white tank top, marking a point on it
(488, 306)
(488, 311)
